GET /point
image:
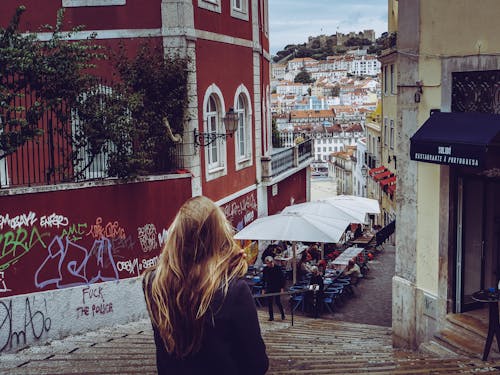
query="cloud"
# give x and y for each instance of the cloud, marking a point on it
(293, 21)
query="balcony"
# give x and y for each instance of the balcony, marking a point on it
(283, 160)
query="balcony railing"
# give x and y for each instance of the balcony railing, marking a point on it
(284, 160)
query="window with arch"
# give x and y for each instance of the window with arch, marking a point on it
(215, 152)
(213, 119)
(243, 135)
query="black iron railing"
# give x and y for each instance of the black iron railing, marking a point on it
(58, 155)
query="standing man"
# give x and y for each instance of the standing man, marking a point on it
(274, 282)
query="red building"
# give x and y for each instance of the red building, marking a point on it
(85, 243)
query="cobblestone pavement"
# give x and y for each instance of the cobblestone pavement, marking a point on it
(372, 300)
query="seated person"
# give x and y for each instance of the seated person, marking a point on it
(316, 278)
(353, 271)
(315, 295)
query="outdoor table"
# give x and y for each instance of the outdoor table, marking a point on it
(491, 297)
(347, 255)
(363, 240)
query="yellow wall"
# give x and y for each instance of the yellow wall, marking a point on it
(428, 224)
(445, 31)
(460, 27)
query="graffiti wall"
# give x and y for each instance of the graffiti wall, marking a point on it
(241, 212)
(93, 239)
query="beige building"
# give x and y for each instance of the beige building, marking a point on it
(445, 108)
(373, 156)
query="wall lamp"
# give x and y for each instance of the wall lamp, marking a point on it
(419, 91)
(230, 121)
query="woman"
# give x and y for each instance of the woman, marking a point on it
(203, 314)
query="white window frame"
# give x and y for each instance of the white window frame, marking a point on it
(99, 166)
(212, 5)
(392, 135)
(243, 158)
(218, 168)
(265, 15)
(239, 9)
(4, 172)
(92, 3)
(385, 131)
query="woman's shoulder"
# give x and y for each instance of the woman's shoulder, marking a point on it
(147, 278)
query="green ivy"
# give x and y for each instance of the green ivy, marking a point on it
(124, 119)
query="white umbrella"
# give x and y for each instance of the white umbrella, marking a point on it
(294, 226)
(355, 206)
(324, 209)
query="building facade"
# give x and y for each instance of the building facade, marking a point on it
(447, 201)
(73, 252)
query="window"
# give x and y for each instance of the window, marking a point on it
(392, 135)
(385, 80)
(90, 165)
(393, 82)
(212, 118)
(4, 173)
(212, 5)
(91, 3)
(243, 142)
(215, 152)
(385, 131)
(239, 9)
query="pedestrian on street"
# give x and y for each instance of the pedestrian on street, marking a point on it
(202, 311)
(274, 282)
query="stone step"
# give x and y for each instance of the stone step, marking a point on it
(465, 334)
(311, 346)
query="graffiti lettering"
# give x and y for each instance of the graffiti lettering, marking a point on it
(90, 293)
(249, 217)
(147, 263)
(35, 324)
(122, 243)
(162, 238)
(74, 232)
(110, 230)
(234, 209)
(103, 308)
(18, 221)
(15, 245)
(130, 266)
(3, 286)
(147, 236)
(100, 307)
(53, 220)
(68, 264)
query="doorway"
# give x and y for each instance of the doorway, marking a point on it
(478, 239)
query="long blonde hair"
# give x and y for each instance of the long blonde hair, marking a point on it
(199, 257)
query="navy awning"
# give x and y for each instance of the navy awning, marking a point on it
(458, 138)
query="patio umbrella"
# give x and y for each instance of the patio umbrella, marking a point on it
(294, 226)
(355, 206)
(324, 209)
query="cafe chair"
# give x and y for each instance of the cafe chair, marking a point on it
(257, 293)
(328, 301)
(296, 300)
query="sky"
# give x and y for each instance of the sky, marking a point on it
(293, 21)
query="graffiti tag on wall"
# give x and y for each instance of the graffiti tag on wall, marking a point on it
(22, 324)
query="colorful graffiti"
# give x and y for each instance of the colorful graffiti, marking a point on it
(69, 264)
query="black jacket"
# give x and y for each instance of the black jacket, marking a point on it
(232, 342)
(273, 278)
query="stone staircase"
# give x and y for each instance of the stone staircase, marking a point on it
(465, 335)
(311, 346)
